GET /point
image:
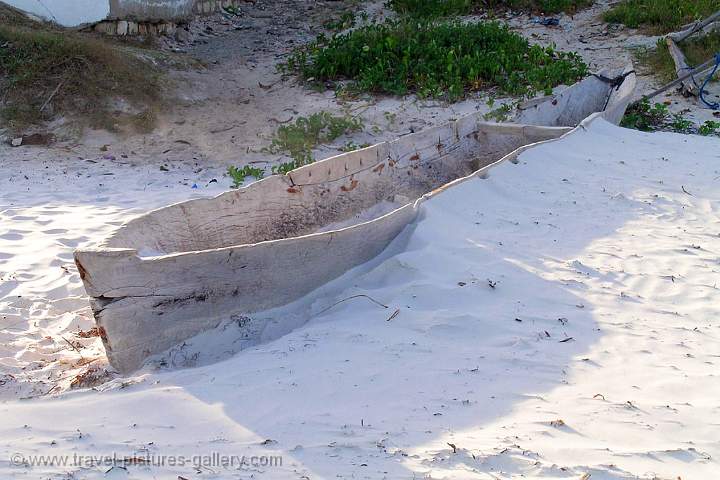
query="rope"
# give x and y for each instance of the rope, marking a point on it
(692, 77)
(713, 106)
(615, 83)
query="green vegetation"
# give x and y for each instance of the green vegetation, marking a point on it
(232, 10)
(239, 175)
(650, 118)
(299, 138)
(446, 8)
(658, 61)
(352, 146)
(709, 128)
(647, 118)
(344, 21)
(436, 60)
(500, 114)
(661, 16)
(680, 124)
(699, 49)
(431, 8)
(44, 73)
(12, 16)
(285, 167)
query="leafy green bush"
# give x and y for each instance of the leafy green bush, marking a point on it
(645, 117)
(299, 138)
(238, 175)
(285, 167)
(432, 8)
(661, 16)
(445, 8)
(435, 60)
(710, 127)
(657, 117)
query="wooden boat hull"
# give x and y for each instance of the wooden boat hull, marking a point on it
(259, 247)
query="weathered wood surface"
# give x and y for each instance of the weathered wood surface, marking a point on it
(570, 106)
(145, 305)
(183, 269)
(681, 67)
(703, 27)
(567, 108)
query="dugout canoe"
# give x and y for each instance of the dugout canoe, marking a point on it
(175, 272)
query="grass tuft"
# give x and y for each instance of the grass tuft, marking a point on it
(697, 50)
(44, 73)
(436, 60)
(660, 16)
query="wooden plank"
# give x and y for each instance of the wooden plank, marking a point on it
(696, 71)
(681, 67)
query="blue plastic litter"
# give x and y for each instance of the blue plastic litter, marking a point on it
(713, 106)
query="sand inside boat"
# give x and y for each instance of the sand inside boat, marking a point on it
(365, 215)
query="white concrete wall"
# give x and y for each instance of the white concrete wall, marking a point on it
(68, 13)
(73, 13)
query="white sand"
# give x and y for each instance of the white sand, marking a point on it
(46, 210)
(591, 238)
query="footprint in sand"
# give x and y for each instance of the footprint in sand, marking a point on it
(12, 235)
(72, 242)
(66, 257)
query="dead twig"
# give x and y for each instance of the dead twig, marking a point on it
(225, 129)
(350, 298)
(49, 99)
(268, 87)
(74, 347)
(281, 122)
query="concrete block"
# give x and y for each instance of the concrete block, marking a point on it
(106, 28)
(122, 27)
